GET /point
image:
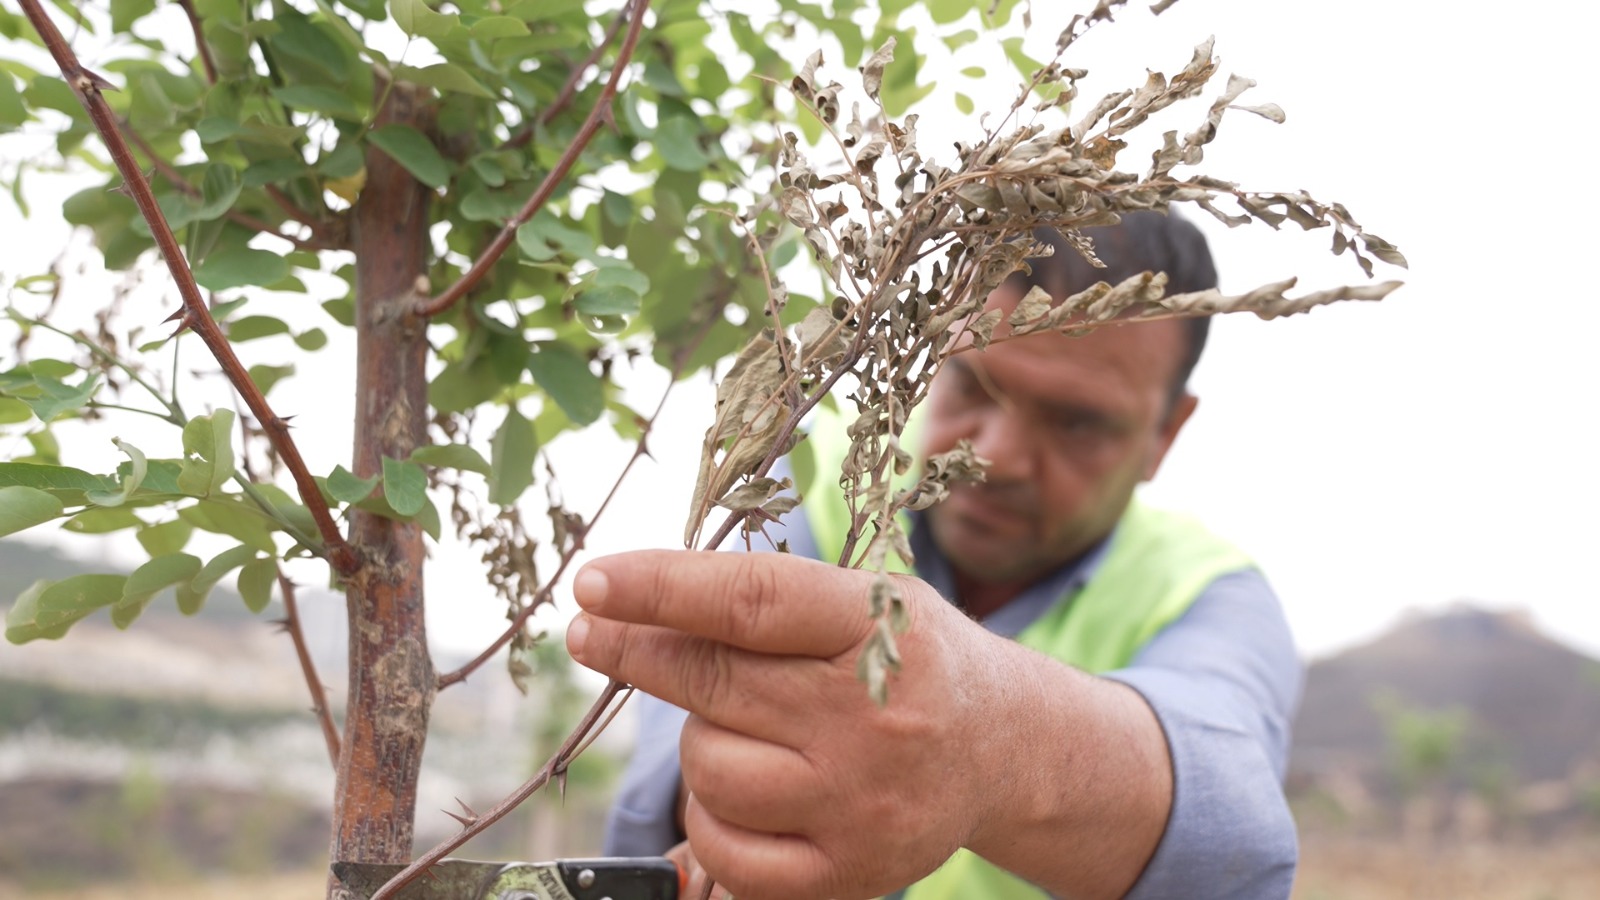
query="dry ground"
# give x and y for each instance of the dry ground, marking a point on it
(1368, 869)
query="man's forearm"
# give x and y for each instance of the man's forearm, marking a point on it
(1082, 779)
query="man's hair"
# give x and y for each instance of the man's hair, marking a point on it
(1144, 241)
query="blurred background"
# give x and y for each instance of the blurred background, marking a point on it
(1416, 477)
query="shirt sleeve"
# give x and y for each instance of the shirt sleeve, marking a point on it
(1224, 681)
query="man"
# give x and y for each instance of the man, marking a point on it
(1158, 777)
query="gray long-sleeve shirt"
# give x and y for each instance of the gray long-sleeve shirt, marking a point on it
(1223, 680)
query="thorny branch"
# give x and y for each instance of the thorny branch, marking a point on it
(569, 89)
(319, 696)
(194, 314)
(502, 241)
(556, 767)
(200, 40)
(568, 554)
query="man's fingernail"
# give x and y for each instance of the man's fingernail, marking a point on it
(590, 587)
(578, 634)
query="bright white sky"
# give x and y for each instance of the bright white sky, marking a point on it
(1373, 458)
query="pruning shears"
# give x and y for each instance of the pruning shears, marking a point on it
(563, 879)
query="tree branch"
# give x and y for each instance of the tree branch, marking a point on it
(555, 767)
(200, 40)
(570, 89)
(502, 241)
(319, 697)
(544, 592)
(194, 314)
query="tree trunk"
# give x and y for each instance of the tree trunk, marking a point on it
(391, 674)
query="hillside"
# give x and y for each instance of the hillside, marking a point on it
(1476, 711)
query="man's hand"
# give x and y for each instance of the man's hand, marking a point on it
(800, 787)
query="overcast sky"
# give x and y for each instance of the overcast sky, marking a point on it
(1437, 447)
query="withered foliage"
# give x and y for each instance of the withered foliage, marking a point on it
(912, 246)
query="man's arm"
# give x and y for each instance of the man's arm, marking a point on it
(804, 789)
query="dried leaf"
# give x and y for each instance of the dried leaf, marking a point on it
(872, 69)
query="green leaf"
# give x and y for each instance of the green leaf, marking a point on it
(677, 139)
(613, 300)
(234, 518)
(25, 507)
(103, 520)
(491, 27)
(208, 454)
(312, 339)
(964, 104)
(347, 488)
(405, 486)
(544, 235)
(64, 482)
(48, 609)
(138, 467)
(266, 376)
(219, 190)
(512, 455)
(453, 456)
(943, 12)
(57, 397)
(125, 12)
(240, 267)
(620, 273)
(317, 98)
(255, 583)
(13, 411)
(167, 537)
(416, 19)
(448, 76)
(412, 150)
(150, 579)
(563, 373)
(192, 596)
(12, 111)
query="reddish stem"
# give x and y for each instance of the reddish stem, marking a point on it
(200, 40)
(555, 766)
(319, 697)
(502, 241)
(195, 315)
(570, 88)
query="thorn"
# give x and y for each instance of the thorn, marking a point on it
(281, 422)
(281, 624)
(176, 315)
(468, 820)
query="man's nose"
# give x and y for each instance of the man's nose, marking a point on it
(1004, 437)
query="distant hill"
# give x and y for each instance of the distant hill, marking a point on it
(1475, 714)
(1537, 700)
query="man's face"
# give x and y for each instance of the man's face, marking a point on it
(1070, 427)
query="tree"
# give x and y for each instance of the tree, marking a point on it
(551, 196)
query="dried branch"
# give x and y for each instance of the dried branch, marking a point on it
(474, 825)
(508, 234)
(569, 88)
(172, 175)
(200, 40)
(569, 553)
(319, 696)
(194, 314)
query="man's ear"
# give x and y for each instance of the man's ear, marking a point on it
(1182, 409)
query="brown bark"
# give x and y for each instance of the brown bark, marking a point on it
(391, 674)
